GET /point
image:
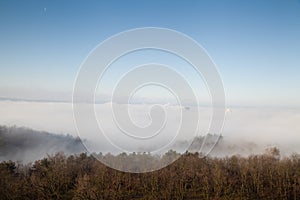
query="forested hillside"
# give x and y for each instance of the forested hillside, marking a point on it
(24, 144)
(264, 176)
(75, 175)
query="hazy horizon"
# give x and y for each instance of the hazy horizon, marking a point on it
(262, 126)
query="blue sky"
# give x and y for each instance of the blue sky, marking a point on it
(255, 44)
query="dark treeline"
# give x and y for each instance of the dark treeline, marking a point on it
(265, 176)
(25, 144)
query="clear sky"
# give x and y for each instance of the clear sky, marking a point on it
(255, 44)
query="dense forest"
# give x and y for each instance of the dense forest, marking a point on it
(265, 176)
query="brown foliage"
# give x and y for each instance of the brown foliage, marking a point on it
(190, 177)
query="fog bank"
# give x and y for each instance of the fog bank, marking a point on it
(245, 128)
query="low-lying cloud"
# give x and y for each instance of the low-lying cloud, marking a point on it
(243, 126)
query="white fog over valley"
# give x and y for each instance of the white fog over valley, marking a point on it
(246, 131)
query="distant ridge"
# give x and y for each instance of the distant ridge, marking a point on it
(24, 144)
